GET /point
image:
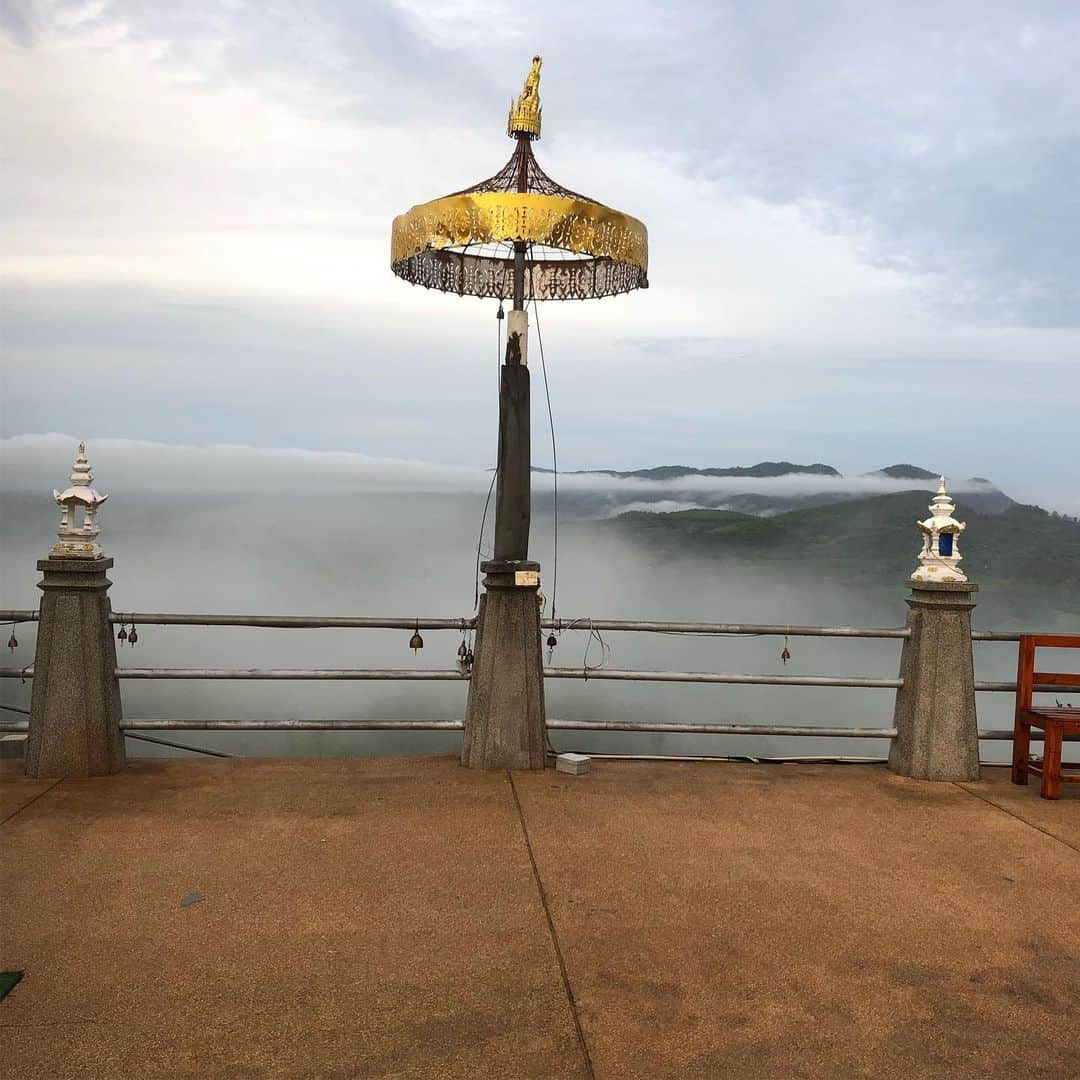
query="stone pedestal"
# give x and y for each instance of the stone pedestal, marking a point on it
(75, 702)
(935, 719)
(505, 719)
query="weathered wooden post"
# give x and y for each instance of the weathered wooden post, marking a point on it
(517, 236)
(937, 729)
(75, 700)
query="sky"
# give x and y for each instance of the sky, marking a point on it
(864, 226)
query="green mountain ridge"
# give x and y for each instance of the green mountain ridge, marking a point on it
(868, 540)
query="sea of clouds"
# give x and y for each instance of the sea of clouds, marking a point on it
(34, 463)
(243, 529)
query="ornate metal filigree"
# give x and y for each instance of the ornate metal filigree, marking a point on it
(575, 247)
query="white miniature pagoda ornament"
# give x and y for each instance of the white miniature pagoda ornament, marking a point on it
(78, 539)
(940, 556)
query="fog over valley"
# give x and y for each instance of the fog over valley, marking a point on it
(251, 531)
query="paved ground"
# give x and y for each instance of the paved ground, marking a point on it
(405, 917)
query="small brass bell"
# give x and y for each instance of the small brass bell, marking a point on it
(133, 637)
(416, 641)
(12, 643)
(785, 655)
(469, 659)
(122, 636)
(462, 650)
(552, 641)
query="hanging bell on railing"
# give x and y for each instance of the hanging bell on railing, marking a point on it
(785, 654)
(552, 641)
(122, 636)
(469, 659)
(12, 642)
(416, 641)
(133, 636)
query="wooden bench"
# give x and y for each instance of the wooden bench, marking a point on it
(1055, 723)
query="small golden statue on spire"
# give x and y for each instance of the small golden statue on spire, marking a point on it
(524, 118)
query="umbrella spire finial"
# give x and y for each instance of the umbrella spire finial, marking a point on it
(524, 118)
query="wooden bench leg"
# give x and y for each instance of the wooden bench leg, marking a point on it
(1051, 777)
(1021, 752)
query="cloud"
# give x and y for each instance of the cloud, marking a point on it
(861, 221)
(127, 467)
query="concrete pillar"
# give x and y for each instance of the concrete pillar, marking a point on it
(935, 719)
(505, 726)
(75, 701)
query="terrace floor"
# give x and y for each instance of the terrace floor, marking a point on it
(408, 918)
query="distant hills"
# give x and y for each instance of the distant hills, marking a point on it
(905, 472)
(844, 530)
(872, 540)
(597, 501)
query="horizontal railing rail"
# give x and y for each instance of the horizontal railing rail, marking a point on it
(586, 674)
(719, 629)
(717, 677)
(625, 727)
(299, 674)
(319, 622)
(462, 625)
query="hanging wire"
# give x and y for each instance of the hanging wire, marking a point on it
(499, 316)
(554, 461)
(605, 651)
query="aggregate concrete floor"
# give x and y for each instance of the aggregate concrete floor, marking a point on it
(408, 918)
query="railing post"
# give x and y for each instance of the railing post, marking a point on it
(937, 731)
(75, 701)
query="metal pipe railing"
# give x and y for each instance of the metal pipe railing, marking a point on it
(299, 674)
(303, 622)
(722, 729)
(290, 622)
(292, 725)
(711, 677)
(585, 674)
(750, 629)
(1040, 688)
(805, 731)
(18, 615)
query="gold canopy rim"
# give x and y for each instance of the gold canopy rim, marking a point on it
(445, 244)
(585, 228)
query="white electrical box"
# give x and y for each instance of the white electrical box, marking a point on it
(575, 764)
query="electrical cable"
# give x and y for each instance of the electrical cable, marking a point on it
(554, 461)
(495, 471)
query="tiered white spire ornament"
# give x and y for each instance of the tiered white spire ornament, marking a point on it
(78, 540)
(940, 556)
